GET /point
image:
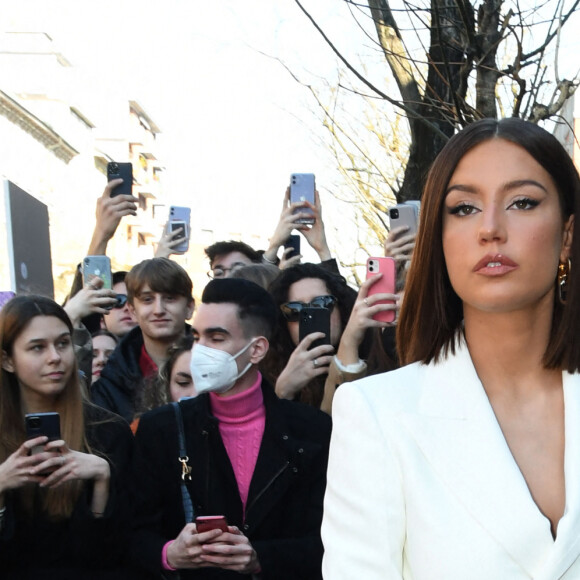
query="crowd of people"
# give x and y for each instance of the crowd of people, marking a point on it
(213, 440)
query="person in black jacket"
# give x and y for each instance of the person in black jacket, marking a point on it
(159, 293)
(258, 460)
(64, 511)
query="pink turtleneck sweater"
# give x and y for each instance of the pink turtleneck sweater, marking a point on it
(241, 423)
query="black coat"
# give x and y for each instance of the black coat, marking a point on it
(284, 507)
(121, 379)
(81, 547)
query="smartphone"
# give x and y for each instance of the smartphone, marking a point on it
(97, 267)
(125, 172)
(207, 523)
(386, 267)
(292, 242)
(5, 296)
(302, 186)
(405, 214)
(38, 424)
(314, 320)
(179, 217)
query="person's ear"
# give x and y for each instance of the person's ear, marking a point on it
(259, 349)
(7, 362)
(567, 237)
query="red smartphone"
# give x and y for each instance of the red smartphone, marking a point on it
(207, 523)
(386, 267)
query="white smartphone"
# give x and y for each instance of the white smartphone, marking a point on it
(97, 267)
(302, 187)
(405, 214)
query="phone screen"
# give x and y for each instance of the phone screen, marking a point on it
(175, 225)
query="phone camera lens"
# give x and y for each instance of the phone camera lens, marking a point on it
(394, 213)
(114, 167)
(35, 422)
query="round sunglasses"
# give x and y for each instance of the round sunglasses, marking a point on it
(292, 310)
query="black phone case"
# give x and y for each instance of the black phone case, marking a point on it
(314, 320)
(293, 242)
(47, 424)
(125, 172)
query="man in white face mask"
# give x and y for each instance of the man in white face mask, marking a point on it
(254, 458)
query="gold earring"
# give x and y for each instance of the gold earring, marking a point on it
(563, 273)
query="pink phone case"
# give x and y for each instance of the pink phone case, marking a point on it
(386, 267)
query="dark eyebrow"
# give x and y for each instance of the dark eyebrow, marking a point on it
(67, 334)
(517, 184)
(211, 330)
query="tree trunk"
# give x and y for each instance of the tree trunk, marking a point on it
(442, 102)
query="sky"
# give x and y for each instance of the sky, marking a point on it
(234, 122)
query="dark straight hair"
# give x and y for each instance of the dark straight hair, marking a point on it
(432, 313)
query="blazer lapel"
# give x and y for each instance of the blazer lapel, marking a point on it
(457, 431)
(567, 546)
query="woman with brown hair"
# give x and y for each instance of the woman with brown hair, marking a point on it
(466, 462)
(62, 514)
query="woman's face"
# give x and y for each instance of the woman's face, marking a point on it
(304, 291)
(503, 230)
(180, 382)
(42, 360)
(103, 347)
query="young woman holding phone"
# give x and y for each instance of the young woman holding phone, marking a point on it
(63, 513)
(466, 462)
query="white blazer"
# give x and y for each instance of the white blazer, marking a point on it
(422, 485)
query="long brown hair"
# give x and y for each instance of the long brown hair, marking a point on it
(432, 313)
(14, 318)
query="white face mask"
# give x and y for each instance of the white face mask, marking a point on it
(215, 370)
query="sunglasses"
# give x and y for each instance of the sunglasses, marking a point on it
(292, 310)
(121, 300)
